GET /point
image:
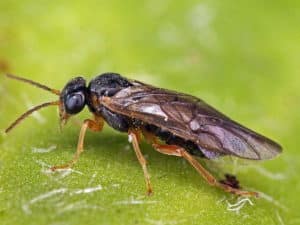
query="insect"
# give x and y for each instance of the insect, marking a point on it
(174, 123)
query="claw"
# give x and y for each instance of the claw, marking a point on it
(150, 192)
(232, 181)
(66, 166)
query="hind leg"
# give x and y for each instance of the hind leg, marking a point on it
(180, 152)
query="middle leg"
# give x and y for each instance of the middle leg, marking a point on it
(134, 137)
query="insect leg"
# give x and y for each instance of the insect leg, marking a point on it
(135, 136)
(94, 125)
(180, 152)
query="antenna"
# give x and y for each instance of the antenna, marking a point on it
(36, 108)
(29, 112)
(57, 92)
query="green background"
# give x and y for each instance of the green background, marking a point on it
(240, 56)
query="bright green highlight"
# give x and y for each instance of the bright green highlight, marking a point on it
(242, 58)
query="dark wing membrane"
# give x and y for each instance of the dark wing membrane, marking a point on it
(192, 119)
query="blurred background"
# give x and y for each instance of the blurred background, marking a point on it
(241, 57)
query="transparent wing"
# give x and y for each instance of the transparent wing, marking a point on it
(192, 119)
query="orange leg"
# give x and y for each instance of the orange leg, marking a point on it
(134, 137)
(180, 152)
(94, 125)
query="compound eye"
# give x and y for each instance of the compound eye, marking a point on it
(75, 103)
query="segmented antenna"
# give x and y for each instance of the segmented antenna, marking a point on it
(57, 92)
(29, 112)
(36, 108)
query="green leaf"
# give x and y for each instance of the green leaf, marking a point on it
(241, 57)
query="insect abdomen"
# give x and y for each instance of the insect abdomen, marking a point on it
(123, 123)
(171, 139)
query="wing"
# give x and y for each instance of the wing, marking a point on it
(191, 119)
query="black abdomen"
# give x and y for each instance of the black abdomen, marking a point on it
(171, 139)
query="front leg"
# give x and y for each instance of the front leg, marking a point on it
(94, 125)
